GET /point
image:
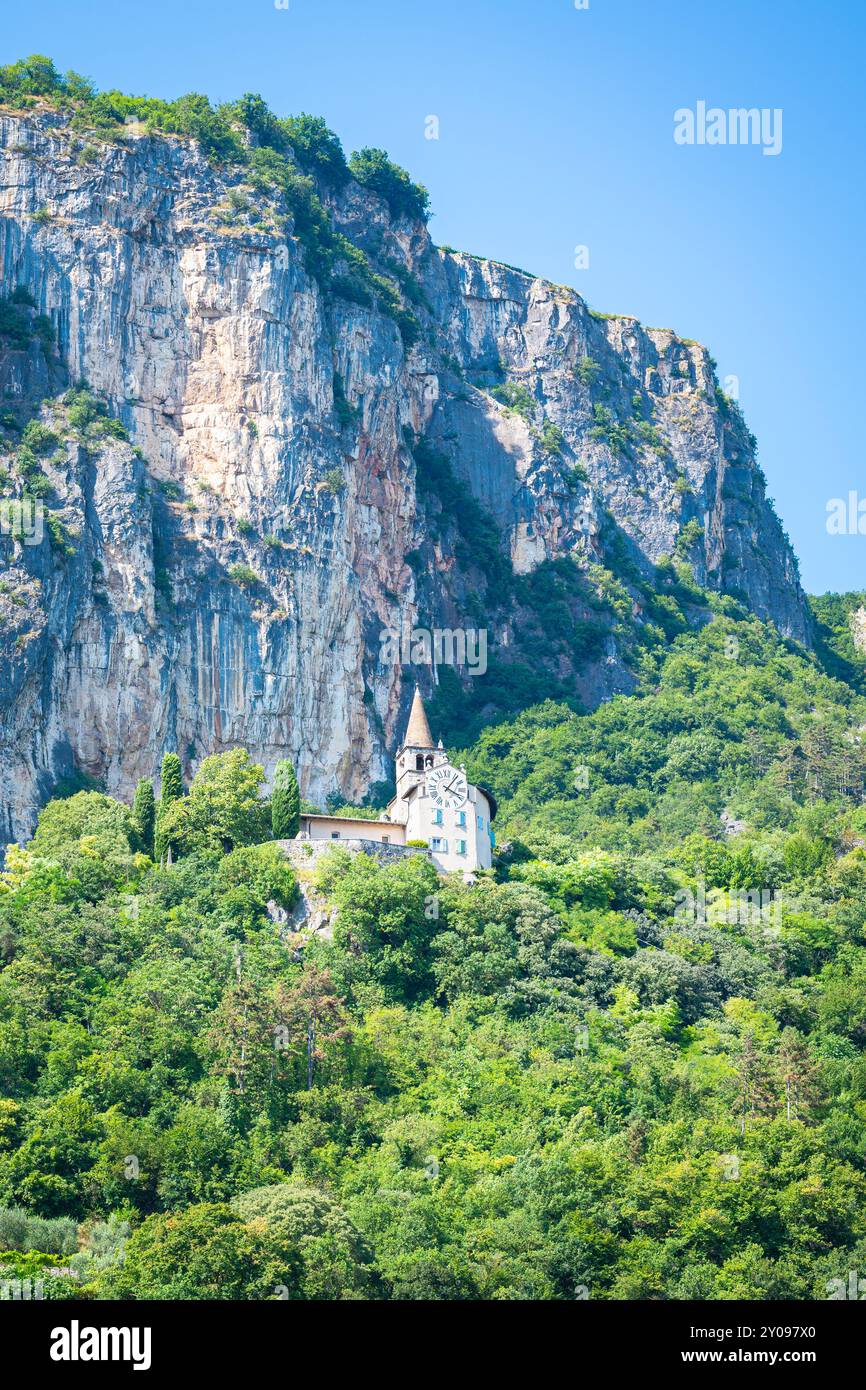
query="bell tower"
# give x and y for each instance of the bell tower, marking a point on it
(416, 754)
(436, 806)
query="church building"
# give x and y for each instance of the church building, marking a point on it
(435, 805)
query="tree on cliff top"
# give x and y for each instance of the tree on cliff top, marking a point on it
(374, 170)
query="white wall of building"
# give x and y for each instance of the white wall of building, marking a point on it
(338, 828)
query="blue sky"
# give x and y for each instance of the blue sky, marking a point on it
(556, 130)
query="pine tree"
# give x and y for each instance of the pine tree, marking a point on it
(285, 802)
(799, 1076)
(171, 790)
(313, 1016)
(755, 1090)
(144, 813)
(172, 780)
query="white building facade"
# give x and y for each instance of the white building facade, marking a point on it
(434, 806)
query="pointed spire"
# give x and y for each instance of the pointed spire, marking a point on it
(418, 733)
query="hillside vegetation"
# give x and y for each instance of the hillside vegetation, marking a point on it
(626, 1064)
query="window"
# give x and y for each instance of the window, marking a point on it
(437, 817)
(335, 834)
(480, 822)
(439, 846)
(419, 762)
(461, 819)
(386, 839)
(461, 846)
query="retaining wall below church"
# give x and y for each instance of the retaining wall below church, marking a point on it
(305, 853)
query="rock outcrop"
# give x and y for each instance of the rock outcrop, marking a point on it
(232, 565)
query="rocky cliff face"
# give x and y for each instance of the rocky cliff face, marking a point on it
(224, 575)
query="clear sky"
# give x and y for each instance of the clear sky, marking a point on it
(555, 131)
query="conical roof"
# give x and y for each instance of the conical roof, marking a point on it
(418, 733)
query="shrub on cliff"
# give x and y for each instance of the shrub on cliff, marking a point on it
(374, 170)
(244, 577)
(316, 148)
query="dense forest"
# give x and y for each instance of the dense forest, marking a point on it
(626, 1064)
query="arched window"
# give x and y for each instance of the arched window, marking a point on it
(419, 763)
(428, 762)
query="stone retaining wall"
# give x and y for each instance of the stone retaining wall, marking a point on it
(306, 853)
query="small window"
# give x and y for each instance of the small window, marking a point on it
(335, 834)
(480, 822)
(461, 819)
(437, 817)
(439, 846)
(386, 839)
(419, 763)
(461, 846)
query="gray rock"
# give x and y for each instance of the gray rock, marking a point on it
(219, 352)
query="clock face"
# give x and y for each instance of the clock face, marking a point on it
(447, 787)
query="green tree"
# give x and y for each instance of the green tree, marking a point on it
(170, 800)
(171, 786)
(314, 1017)
(87, 815)
(373, 169)
(385, 922)
(316, 148)
(204, 1252)
(144, 813)
(310, 1233)
(48, 1172)
(224, 808)
(285, 802)
(251, 878)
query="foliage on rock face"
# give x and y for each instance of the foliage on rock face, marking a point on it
(373, 169)
(630, 1059)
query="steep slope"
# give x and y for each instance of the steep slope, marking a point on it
(311, 466)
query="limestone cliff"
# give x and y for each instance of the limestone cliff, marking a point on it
(223, 575)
